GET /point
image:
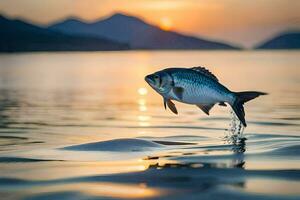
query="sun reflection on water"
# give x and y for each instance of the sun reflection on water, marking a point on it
(127, 191)
(144, 124)
(143, 91)
(143, 119)
(142, 105)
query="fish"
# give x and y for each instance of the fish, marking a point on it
(198, 86)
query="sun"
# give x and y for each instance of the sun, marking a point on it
(166, 23)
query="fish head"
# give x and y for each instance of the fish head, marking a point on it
(160, 81)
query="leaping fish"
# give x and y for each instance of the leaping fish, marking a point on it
(198, 86)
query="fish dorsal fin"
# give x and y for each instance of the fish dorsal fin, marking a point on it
(205, 72)
(205, 107)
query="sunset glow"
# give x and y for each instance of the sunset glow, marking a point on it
(166, 24)
(226, 20)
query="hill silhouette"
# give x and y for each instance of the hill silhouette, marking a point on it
(136, 32)
(290, 40)
(17, 35)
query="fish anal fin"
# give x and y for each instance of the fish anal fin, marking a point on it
(172, 106)
(178, 91)
(205, 107)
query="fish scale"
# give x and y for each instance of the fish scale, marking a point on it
(199, 89)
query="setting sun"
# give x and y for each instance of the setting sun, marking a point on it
(166, 23)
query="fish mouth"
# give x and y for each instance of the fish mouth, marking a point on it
(150, 80)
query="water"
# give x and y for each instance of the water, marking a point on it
(87, 126)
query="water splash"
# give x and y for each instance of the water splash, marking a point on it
(234, 134)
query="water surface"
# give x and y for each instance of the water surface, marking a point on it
(87, 126)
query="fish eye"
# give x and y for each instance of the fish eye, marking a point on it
(156, 76)
(158, 79)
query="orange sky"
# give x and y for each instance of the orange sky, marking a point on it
(242, 22)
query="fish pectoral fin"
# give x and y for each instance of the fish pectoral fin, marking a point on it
(178, 92)
(165, 103)
(172, 106)
(205, 107)
(222, 104)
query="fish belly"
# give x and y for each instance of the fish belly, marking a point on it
(202, 96)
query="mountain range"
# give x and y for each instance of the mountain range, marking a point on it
(17, 35)
(135, 32)
(117, 32)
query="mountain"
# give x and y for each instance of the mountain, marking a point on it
(17, 35)
(137, 33)
(289, 40)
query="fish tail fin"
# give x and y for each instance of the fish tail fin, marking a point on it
(241, 98)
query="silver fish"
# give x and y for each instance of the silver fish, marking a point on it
(199, 87)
